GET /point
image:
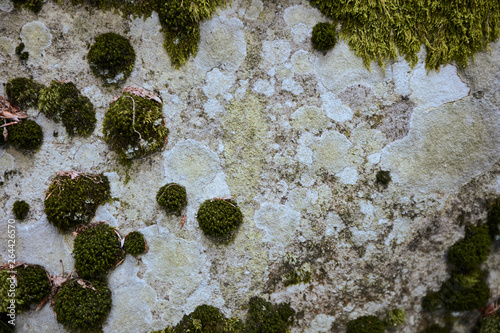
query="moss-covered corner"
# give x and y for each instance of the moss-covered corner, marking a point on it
(172, 198)
(72, 198)
(219, 218)
(97, 250)
(135, 243)
(134, 127)
(33, 286)
(82, 306)
(263, 316)
(63, 101)
(323, 36)
(26, 135)
(469, 252)
(111, 58)
(366, 324)
(383, 30)
(21, 209)
(23, 92)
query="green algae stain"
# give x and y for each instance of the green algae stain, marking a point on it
(245, 130)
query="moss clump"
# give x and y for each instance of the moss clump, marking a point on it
(96, 250)
(72, 199)
(323, 36)
(295, 272)
(365, 324)
(82, 306)
(395, 317)
(436, 329)
(23, 92)
(21, 209)
(33, 5)
(172, 197)
(219, 218)
(493, 220)
(265, 317)
(32, 286)
(468, 253)
(135, 243)
(133, 126)
(63, 101)
(383, 177)
(23, 56)
(180, 21)
(383, 30)
(26, 135)
(111, 58)
(490, 324)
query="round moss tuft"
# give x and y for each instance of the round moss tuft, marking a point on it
(205, 318)
(263, 316)
(135, 243)
(26, 135)
(366, 324)
(63, 101)
(219, 217)
(70, 202)
(172, 197)
(83, 306)
(395, 317)
(32, 286)
(133, 126)
(23, 92)
(383, 177)
(469, 252)
(21, 209)
(111, 58)
(96, 250)
(323, 36)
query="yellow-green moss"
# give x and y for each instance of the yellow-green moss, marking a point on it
(21, 209)
(381, 30)
(395, 317)
(219, 218)
(134, 127)
(172, 198)
(135, 243)
(82, 306)
(23, 92)
(63, 101)
(96, 250)
(111, 58)
(70, 202)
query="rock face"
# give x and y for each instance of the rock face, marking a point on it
(294, 136)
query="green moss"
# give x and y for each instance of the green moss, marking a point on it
(468, 253)
(23, 92)
(33, 5)
(219, 218)
(493, 220)
(265, 317)
(111, 58)
(21, 209)
(432, 301)
(382, 30)
(180, 21)
(63, 101)
(436, 329)
(465, 292)
(83, 306)
(26, 135)
(96, 250)
(23, 56)
(134, 127)
(135, 243)
(383, 177)
(32, 287)
(172, 197)
(395, 317)
(365, 324)
(323, 36)
(490, 324)
(295, 272)
(70, 202)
